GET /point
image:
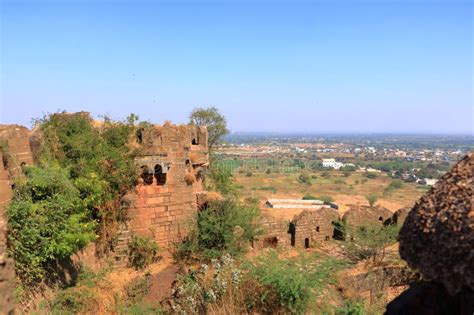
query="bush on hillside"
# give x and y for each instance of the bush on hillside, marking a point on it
(143, 252)
(223, 227)
(47, 221)
(83, 172)
(370, 241)
(304, 178)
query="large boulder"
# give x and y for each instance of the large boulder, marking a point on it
(437, 237)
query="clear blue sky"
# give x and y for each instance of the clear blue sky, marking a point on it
(287, 66)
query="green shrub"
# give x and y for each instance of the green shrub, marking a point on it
(370, 175)
(304, 179)
(47, 221)
(372, 199)
(394, 185)
(73, 301)
(325, 199)
(221, 180)
(223, 227)
(143, 252)
(290, 284)
(137, 289)
(370, 241)
(351, 308)
(82, 174)
(325, 174)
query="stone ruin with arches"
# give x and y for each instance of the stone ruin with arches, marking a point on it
(171, 164)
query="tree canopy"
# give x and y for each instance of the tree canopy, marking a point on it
(214, 121)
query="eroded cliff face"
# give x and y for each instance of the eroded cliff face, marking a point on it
(437, 238)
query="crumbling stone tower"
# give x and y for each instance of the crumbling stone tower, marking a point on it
(164, 202)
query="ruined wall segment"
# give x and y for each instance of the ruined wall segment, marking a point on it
(15, 144)
(312, 226)
(365, 215)
(171, 163)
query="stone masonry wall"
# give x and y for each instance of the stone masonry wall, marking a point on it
(7, 274)
(164, 202)
(313, 226)
(15, 143)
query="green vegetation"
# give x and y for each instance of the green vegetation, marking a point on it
(143, 252)
(370, 241)
(75, 190)
(372, 199)
(351, 308)
(370, 175)
(137, 289)
(304, 178)
(267, 284)
(214, 121)
(325, 199)
(47, 221)
(290, 284)
(79, 298)
(394, 185)
(223, 227)
(220, 179)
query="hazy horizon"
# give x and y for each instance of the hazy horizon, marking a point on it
(269, 66)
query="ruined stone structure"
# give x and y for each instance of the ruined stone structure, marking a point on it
(6, 265)
(15, 143)
(400, 215)
(312, 226)
(365, 215)
(274, 233)
(15, 152)
(171, 164)
(437, 239)
(306, 228)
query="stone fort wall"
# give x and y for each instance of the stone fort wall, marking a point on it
(165, 200)
(15, 152)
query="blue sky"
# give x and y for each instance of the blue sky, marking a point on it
(284, 66)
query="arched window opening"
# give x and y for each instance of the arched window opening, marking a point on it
(380, 219)
(317, 229)
(194, 141)
(147, 175)
(159, 175)
(188, 162)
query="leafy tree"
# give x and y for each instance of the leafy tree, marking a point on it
(215, 122)
(372, 199)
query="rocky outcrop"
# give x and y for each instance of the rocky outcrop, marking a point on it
(437, 237)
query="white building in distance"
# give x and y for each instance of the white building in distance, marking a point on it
(332, 163)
